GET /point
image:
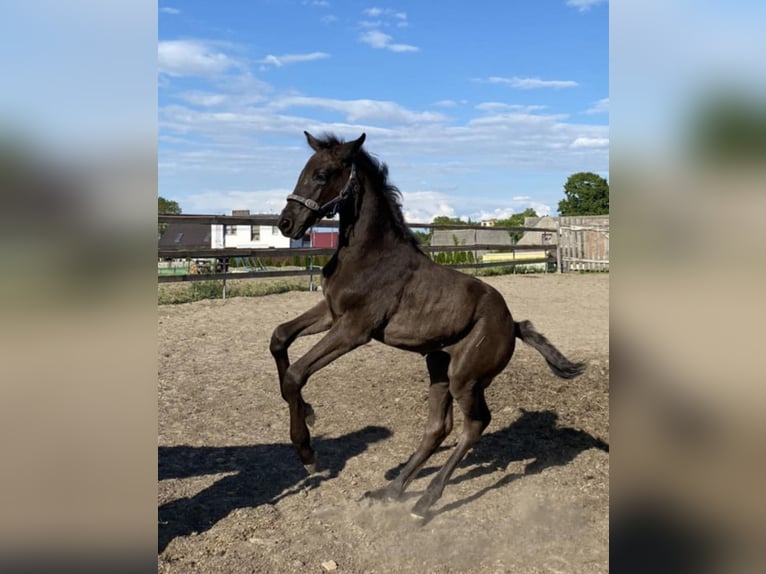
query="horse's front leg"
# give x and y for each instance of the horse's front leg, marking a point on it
(343, 337)
(315, 320)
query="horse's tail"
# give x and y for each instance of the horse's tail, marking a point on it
(559, 364)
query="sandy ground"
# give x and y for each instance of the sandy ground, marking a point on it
(531, 497)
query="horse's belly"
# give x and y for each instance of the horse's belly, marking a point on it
(423, 333)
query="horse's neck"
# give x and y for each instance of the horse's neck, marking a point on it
(370, 223)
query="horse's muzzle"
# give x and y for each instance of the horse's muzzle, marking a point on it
(285, 225)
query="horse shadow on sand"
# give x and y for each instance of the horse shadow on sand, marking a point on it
(534, 435)
(264, 474)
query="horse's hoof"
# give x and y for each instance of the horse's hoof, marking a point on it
(420, 510)
(311, 468)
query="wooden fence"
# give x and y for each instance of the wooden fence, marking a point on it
(548, 256)
(583, 243)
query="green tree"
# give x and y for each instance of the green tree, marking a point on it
(585, 193)
(424, 238)
(443, 219)
(166, 207)
(516, 220)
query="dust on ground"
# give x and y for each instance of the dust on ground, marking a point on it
(531, 497)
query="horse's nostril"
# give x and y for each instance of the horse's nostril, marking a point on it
(285, 224)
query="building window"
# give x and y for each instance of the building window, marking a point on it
(255, 233)
(230, 229)
(178, 238)
(274, 230)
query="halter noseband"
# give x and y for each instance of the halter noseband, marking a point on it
(330, 208)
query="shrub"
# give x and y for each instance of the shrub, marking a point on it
(214, 290)
(206, 290)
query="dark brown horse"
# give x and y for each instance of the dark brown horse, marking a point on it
(380, 285)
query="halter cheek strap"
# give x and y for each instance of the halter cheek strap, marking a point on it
(329, 209)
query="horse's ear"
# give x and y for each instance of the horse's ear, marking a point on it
(348, 150)
(313, 142)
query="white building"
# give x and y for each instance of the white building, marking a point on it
(247, 236)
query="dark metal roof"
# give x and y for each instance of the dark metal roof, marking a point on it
(185, 235)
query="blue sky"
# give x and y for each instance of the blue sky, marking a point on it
(480, 109)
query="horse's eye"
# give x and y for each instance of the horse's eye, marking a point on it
(321, 176)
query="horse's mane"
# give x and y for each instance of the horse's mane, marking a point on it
(377, 172)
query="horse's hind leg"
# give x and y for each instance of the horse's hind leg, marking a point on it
(476, 417)
(438, 427)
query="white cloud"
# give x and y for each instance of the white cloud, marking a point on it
(169, 10)
(530, 83)
(497, 213)
(584, 5)
(191, 58)
(423, 206)
(385, 12)
(503, 107)
(600, 107)
(585, 142)
(382, 18)
(279, 61)
(223, 202)
(428, 150)
(541, 209)
(363, 110)
(382, 41)
(205, 99)
(375, 38)
(328, 19)
(243, 134)
(505, 212)
(517, 121)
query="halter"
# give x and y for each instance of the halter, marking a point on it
(329, 209)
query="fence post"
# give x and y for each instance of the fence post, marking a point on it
(311, 273)
(215, 264)
(225, 268)
(559, 262)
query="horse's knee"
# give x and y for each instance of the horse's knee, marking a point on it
(292, 383)
(279, 339)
